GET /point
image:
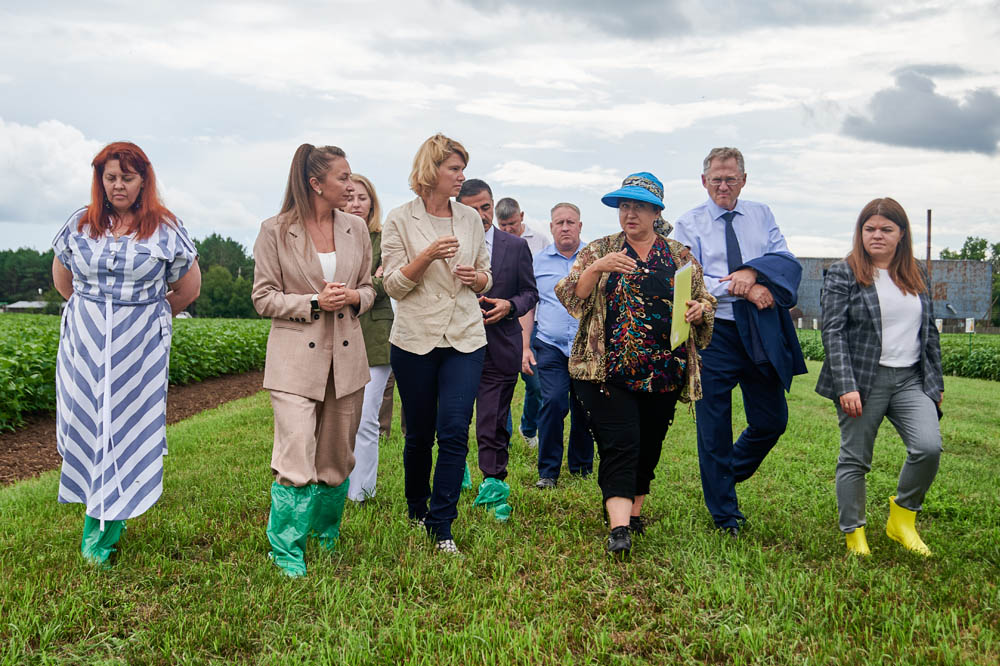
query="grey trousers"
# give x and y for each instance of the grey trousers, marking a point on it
(897, 394)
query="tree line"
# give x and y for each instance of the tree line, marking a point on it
(226, 278)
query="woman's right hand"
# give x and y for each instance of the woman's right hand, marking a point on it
(444, 247)
(851, 404)
(615, 262)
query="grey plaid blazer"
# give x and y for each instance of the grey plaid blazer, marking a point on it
(852, 338)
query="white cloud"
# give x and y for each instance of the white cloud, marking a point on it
(518, 173)
(44, 173)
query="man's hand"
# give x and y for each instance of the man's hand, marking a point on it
(378, 271)
(500, 308)
(527, 360)
(760, 296)
(851, 404)
(740, 281)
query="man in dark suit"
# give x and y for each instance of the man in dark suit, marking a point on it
(513, 294)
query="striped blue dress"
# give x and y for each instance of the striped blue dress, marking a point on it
(111, 376)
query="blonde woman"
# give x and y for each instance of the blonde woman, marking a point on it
(313, 279)
(375, 325)
(435, 264)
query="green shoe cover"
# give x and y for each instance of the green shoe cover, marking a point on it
(493, 494)
(467, 479)
(328, 511)
(288, 527)
(96, 545)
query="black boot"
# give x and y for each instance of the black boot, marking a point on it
(619, 541)
(636, 525)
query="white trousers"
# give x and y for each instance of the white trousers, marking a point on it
(366, 443)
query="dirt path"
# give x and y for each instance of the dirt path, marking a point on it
(31, 450)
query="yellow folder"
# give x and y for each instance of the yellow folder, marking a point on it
(679, 327)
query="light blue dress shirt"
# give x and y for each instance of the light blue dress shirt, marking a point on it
(704, 231)
(554, 325)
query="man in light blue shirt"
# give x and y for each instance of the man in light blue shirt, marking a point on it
(725, 234)
(554, 334)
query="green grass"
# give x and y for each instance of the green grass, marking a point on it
(193, 584)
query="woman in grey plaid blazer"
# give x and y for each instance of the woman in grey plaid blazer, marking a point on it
(883, 359)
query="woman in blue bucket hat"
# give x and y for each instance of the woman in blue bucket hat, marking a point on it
(628, 378)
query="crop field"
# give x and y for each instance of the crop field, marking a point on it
(962, 355)
(193, 585)
(201, 348)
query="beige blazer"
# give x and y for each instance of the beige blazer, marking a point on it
(439, 304)
(303, 345)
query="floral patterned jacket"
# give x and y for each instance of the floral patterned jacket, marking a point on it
(588, 359)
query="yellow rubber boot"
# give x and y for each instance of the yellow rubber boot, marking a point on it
(857, 544)
(901, 528)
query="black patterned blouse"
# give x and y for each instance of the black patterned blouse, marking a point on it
(637, 325)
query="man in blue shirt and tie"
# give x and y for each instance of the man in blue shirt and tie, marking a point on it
(555, 331)
(749, 269)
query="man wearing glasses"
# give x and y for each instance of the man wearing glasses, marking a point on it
(749, 269)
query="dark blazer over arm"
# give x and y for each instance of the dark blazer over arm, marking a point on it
(769, 335)
(852, 337)
(513, 280)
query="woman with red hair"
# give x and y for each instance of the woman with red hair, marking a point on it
(125, 264)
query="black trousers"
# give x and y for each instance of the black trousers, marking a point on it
(629, 427)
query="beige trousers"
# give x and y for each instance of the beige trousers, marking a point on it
(314, 441)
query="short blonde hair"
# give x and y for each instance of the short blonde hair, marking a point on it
(431, 155)
(375, 212)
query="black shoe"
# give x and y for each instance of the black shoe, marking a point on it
(637, 525)
(545, 482)
(732, 532)
(619, 542)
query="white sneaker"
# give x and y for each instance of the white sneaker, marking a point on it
(448, 546)
(532, 441)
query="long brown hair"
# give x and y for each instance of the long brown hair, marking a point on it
(374, 219)
(308, 162)
(903, 268)
(149, 211)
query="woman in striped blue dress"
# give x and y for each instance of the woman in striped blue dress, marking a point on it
(126, 265)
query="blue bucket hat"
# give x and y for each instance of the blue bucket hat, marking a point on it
(642, 186)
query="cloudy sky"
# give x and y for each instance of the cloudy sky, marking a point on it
(832, 103)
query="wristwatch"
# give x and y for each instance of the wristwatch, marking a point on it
(314, 303)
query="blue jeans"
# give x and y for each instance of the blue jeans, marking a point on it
(558, 398)
(437, 391)
(723, 462)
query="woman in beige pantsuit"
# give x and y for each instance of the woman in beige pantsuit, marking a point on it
(313, 279)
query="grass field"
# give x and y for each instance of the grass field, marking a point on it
(193, 584)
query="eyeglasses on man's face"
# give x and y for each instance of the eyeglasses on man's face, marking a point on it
(729, 182)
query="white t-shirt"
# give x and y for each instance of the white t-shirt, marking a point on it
(901, 318)
(536, 241)
(328, 260)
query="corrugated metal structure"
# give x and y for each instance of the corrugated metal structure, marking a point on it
(961, 288)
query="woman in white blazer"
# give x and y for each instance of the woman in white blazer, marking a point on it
(435, 263)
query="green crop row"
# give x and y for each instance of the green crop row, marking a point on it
(201, 348)
(976, 356)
